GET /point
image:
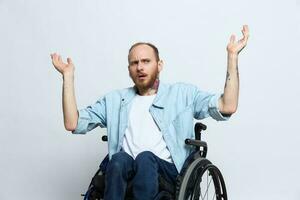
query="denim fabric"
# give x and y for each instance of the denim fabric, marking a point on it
(174, 109)
(143, 172)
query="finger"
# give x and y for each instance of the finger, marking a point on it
(246, 28)
(52, 55)
(242, 44)
(69, 60)
(55, 59)
(245, 36)
(245, 31)
(242, 41)
(59, 59)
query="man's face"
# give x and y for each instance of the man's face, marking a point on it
(143, 66)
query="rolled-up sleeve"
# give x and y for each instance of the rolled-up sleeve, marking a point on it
(213, 108)
(206, 104)
(91, 117)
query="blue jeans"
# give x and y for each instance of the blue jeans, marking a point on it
(143, 171)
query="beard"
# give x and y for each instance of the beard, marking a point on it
(147, 83)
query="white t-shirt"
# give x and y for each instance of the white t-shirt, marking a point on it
(142, 133)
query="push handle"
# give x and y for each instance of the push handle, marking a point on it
(198, 128)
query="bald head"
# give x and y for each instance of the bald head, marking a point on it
(154, 48)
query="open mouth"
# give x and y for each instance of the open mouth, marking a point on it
(142, 76)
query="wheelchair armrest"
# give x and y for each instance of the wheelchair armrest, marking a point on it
(197, 143)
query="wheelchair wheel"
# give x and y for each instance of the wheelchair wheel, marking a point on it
(202, 180)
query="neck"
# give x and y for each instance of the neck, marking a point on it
(149, 91)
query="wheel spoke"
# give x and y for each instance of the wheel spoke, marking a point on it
(198, 187)
(206, 192)
(206, 184)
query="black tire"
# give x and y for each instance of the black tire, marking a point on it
(198, 180)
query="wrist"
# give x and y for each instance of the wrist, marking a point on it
(232, 55)
(232, 61)
(68, 75)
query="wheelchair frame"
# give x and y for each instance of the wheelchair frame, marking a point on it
(191, 175)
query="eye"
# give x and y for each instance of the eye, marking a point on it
(133, 63)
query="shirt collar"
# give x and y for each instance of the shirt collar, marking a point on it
(158, 101)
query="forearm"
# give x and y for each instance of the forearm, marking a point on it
(69, 102)
(229, 101)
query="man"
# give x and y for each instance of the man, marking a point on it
(148, 123)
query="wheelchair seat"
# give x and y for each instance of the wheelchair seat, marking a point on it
(97, 186)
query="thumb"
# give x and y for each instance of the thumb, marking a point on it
(232, 38)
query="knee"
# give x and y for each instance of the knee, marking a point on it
(119, 161)
(145, 157)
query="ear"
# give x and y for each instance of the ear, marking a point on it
(129, 72)
(160, 65)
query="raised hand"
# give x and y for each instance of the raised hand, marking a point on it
(61, 66)
(236, 47)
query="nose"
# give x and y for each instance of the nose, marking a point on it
(139, 66)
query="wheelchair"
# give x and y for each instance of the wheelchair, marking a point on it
(198, 179)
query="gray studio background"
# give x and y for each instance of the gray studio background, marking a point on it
(257, 150)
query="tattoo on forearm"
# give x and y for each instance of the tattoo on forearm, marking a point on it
(227, 78)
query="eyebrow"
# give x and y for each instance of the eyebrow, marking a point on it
(136, 61)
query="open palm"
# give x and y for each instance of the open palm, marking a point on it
(236, 47)
(60, 65)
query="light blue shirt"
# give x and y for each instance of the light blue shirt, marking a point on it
(174, 109)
